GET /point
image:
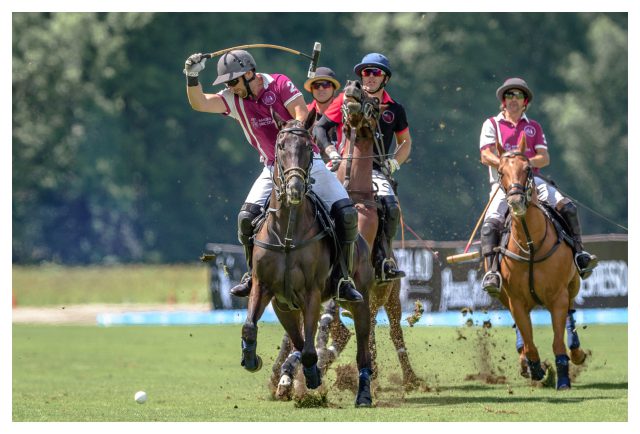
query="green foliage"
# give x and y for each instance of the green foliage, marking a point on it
(110, 164)
(192, 373)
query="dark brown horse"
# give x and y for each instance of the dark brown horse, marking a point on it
(292, 262)
(537, 268)
(360, 117)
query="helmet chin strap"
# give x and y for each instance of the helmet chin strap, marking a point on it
(382, 85)
(246, 85)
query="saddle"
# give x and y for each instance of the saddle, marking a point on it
(560, 225)
(322, 215)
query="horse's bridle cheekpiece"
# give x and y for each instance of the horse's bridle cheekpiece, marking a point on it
(285, 175)
(517, 188)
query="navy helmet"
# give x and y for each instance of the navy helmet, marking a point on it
(376, 60)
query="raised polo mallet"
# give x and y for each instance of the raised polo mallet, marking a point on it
(317, 47)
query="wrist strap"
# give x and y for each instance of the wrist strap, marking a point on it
(192, 81)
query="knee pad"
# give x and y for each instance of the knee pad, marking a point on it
(248, 213)
(490, 235)
(392, 215)
(345, 216)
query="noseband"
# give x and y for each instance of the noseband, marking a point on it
(517, 188)
(285, 175)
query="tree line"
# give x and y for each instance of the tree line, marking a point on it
(110, 164)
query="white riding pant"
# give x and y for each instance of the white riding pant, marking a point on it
(498, 208)
(381, 186)
(326, 185)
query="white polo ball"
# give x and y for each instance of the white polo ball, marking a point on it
(140, 397)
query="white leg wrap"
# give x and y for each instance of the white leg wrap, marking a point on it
(285, 380)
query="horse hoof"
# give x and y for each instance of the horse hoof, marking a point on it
(253, 367)
(312, 376)
(411, 383)
(579, 357)
(283, 392)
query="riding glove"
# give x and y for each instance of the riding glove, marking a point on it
(392, 164)
(194, 64)
(335, 160)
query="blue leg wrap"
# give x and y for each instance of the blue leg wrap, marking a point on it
(312, 376)
(249, 359)
(363, 398)
(572, 333)
(519, 340)
(562, 366)
(537, 373)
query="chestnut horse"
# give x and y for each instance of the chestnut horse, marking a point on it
(537, 268)
(292, 262)
(360, 117)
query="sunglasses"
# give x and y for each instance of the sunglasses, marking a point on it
(321, 84)
(517, 93)
(233, 82)
(376, 72)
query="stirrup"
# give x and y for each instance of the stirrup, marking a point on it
(492, 290)
(356, 297)
(242, 289)
(393, 273)
(591, 264)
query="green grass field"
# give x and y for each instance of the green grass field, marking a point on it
(59, 285)
(192, 373)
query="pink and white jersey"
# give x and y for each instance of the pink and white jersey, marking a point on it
(509, 136)
(254, 116)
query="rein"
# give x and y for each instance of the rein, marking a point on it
(527, 192)
(284, 175)
(369, 109)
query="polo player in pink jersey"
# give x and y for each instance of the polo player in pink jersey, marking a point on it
(249, 97)
(507, 128)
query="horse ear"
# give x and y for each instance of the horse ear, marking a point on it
(522, 146)
(311, 119)
(499, 147)
(278, 120)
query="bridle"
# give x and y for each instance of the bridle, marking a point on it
(516, 188)
(370, 109)
(526, 191)
(288, 245)
(285, 175)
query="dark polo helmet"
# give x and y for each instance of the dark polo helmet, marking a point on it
(511, 83)
(376, 60)
(233, 64)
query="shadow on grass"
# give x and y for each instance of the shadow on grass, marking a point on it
(602, 386)
(439, 400)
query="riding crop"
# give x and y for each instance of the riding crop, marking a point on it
(462, 257)
(314, 56)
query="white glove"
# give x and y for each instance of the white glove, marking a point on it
(194, 65)
(392, 164)
(335, 160)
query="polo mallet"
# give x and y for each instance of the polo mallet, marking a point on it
(317, 47)
(463, 257)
